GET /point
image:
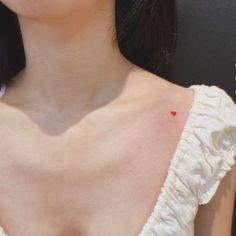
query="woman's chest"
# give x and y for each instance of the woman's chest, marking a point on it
(89, 183)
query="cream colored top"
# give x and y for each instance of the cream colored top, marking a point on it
(205, 153)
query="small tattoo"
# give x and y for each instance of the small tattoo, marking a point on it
(173, 113)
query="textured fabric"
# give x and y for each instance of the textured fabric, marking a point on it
(204, 154)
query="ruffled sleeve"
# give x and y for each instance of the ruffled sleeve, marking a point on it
(219, 149)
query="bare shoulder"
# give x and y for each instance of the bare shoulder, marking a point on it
(7, 117)
(214, 218)
(11, 123)
(171, 96)
(8, 113)
(160, 88)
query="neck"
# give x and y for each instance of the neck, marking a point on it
(71, 59)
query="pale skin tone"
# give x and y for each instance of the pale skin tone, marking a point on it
(90, 130)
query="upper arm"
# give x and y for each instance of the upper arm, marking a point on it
(215, 218)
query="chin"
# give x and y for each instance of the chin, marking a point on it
(40, 9)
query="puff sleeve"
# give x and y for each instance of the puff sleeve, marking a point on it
(219, 152)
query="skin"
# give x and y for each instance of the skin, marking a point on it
(70, 57)
(77, 81)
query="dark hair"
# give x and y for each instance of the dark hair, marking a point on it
(145, 34)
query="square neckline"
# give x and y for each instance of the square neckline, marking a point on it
(175, 158)
(147, 226)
